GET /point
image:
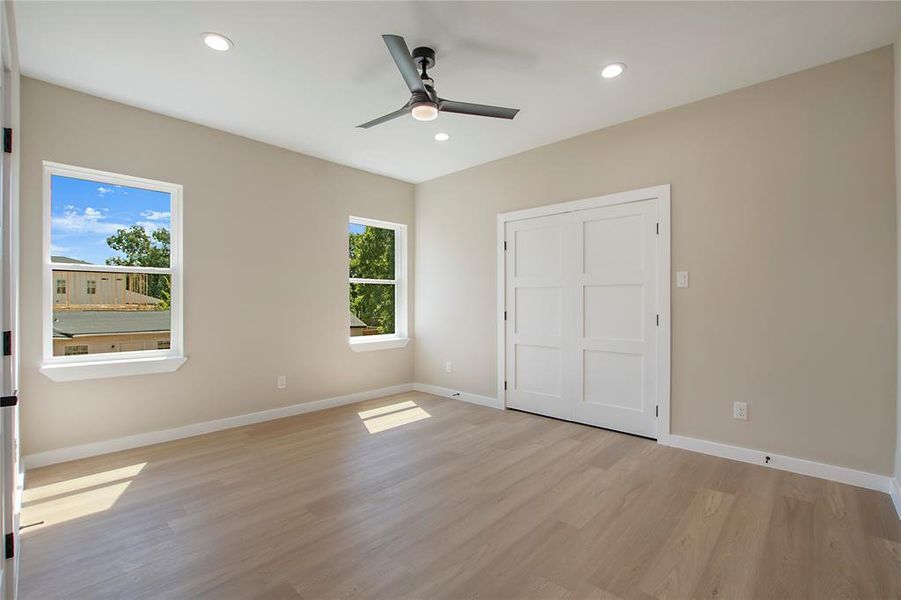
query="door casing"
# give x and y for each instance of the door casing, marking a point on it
(660, 193)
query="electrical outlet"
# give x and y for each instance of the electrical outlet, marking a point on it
(448, 367)
(681, 279)
(281, 382)
(740, 411)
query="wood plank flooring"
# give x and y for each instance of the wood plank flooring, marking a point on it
(415, 496)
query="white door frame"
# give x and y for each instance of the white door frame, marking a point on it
(661, 194)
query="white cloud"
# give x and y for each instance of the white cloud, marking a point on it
(103, 191)
(150, 226)
(89, 221)
(54, 249)
(155, 215)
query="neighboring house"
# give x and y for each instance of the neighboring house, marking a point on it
(358, 327)
(97, 331)
(95, 290)
(97, 312)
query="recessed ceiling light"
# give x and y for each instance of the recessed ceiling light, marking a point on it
(613, 70)
(442, 137)
(217, 41)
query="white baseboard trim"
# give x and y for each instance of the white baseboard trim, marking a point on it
(51, 457)
(895, 493)
(458, 395)
(873, 481)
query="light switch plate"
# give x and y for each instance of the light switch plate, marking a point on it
(681, 279)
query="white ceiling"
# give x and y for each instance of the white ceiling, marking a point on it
(302, 75)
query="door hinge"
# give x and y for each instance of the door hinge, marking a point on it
(7, 140)
(657, 411)
(658, 228)
(9, 400)
(658, 320)
(7, 343)
(505, 385)
(505, 245)
(10, 545)
(505, 315)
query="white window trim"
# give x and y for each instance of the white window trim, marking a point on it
(399, 338)
(96, 366)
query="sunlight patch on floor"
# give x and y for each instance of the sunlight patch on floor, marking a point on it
(390, 408)
(80, 483)
(77, 497)
(392, 415)
(75, 505)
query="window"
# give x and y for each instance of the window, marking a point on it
(377, 284)
(113, 242)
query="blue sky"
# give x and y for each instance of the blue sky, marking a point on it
(84, 213)
(354, 228)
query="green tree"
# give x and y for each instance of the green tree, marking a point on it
(372, 257)
(141, 249)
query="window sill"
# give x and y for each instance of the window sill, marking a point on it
(365, 345)
(102, 369)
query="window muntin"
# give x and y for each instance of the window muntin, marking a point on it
(377, 265)
(112, 241)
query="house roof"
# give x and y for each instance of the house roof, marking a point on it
(68, 324)
(66, 259)
(356, 322)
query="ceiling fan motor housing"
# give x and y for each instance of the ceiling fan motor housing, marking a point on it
(424, 54)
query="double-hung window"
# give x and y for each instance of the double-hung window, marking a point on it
(112, 274)
(378, 284)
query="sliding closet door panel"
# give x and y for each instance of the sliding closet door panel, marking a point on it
(615, 336)
(536, 319)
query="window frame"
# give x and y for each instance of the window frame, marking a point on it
(113, 364)
(384, 341)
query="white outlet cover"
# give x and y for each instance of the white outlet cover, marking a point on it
(281, 382)
(681, 279)
(740, 411)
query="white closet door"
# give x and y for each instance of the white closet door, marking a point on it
(536, 300)
(581, 322)
(616, 334)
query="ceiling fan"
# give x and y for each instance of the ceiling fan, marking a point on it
(424, 104)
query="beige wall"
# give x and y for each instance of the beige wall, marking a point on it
(277, 216)
(897, 48)
(783, 201)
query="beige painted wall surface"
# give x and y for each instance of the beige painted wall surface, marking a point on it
(897, 48)
(783, 200)
(265, 246)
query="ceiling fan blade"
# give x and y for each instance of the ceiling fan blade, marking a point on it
(481, 110)
(399, 112)
(404, 61)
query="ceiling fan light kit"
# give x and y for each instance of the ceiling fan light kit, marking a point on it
(424, 103)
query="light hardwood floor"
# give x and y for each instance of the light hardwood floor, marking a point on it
(443, 499)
